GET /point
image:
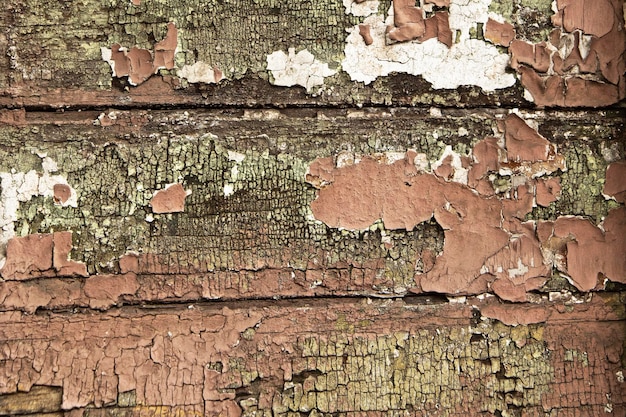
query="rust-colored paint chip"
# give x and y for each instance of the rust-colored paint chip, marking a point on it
(364, 31)
(548, 191)
(169, 200)
(523, 143)
(499, 33)
(140, 64)
(410, 24)
(590, 254)
(62, 193)
(615, 183)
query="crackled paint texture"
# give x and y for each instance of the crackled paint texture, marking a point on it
(19, 187)
(326, 208)
(337, 357)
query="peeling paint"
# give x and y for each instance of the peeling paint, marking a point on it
(582, 63)
(200, 72)
(361, 7)
(297, 69)
(615, 183)
(392, 188)
(140, 64)
(20, 187)
(466, 62)
(588, 254)
(40, 255)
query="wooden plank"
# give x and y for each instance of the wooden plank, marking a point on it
(55, 55)
(350, 356)
(247, 229)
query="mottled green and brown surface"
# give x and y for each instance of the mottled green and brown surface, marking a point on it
(233, 247)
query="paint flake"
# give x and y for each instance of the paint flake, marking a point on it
(200, 72)
(289, 69)
(361, 7)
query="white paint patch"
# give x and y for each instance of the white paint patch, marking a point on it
(459, 173)
(237, 158)
(19, 187)
(106, 56)
(468, 62)
(200, 72)
(297, 69)
(519, 271)
(365, 8)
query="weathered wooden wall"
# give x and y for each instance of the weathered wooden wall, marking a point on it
(286, 208)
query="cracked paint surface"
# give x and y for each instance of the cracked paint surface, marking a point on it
(582, 62)
(140, 64)
(342, 357)
(247, 230)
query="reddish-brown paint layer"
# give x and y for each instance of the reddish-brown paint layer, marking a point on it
(615, 183)
(169, 200)
(499, 33)
(41, 255)
(588, 254)
(205, 357)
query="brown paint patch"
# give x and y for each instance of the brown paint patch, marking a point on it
(589, 254)
(548, 191)
(164, 50)
(364, 31)
(486, 244)
(140, 64)
(402, 197)
(535, 55)
(615, 182)
(105, 290)
(41, 255)
(513, 315)
(499, 33)
(569, 72)
(29, 256)
(62, 193)
(594, 17)
(409, 24)
(408, 21)
(523, 143)
(169, 200)
(61, 253)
